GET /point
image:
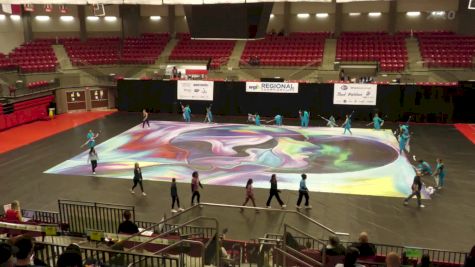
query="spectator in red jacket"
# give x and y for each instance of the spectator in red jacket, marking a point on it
(14, 213)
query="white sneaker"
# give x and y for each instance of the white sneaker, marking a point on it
(174, 211)
(143, 194)
(132, 191)
(308, 207)
(181, 209)
(297, 207)
(269, 207)
(93, 172)
(405, 203)
(284, 206)
(414, 157)
(421, 206)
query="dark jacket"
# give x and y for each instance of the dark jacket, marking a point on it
(365, 249)
(138, 174)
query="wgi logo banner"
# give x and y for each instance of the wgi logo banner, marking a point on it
(269, 87)
(195, 90)
(355, 94)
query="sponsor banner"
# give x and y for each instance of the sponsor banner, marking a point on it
(272, 87)
(195, 90)
(354, 94)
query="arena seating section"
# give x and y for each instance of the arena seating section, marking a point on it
(110, 50)
(35, 56)
(188, 49)
(297, 49)
(446, 49)
(388, 50)
(145, 49)
(6, 63)
(25, 112)
(37, 84)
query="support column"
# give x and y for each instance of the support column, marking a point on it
(392, 17)
(338, 17)
(287, 18)
(27, 29)
(171, 20)
(130, 17)
(82, 22)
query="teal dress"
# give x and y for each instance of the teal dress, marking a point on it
(278, 120)
(187, 114)
(377, 122)
(90, 140)
(258, 120)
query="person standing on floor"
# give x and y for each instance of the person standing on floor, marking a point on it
(174, 194)
(195, 186)
(347, 123)
(274, 192)
(93, 158)
(416, 191)
(439, 174)
(186, 112)
(91, 140)
(249, 195)
(304, 118)
(377, 122)
(137, 179)
(209, 115)
(145, 118)
(257, 119)
(303, 192)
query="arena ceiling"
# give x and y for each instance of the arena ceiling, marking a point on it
(165, 2)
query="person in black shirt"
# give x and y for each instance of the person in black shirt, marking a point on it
(137, 179)
(334, 248)
(365, 248)
(127, 226)
(274, 192)
(416, 191)
(174, 195)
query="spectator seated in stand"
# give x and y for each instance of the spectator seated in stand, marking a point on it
(425, 261)
(393, 260)
(351, 256)
(13, 214)
(365, 248)
(25, 255)
(470, 260)
(334, 248)
(127, 226)
(71, 257)
(7, 255)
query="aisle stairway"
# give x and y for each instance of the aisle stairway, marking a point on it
(62, 56)
(329, 54)
(235, 57)
(414, 55)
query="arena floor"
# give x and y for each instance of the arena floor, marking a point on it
(357, 182)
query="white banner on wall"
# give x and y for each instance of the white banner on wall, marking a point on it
(355, 94)
(195, 90)
(272, 87)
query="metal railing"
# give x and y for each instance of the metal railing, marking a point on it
(326, 229)
(81, 216)
(49, 254)
(49, 217)
(437, 255)
(314, 240)
(179, 244)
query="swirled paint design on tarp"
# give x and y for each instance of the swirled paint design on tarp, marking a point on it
(365, 163)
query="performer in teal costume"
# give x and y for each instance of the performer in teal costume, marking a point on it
(258, 120)
(440, 174)
(347, 123)
(186, 112)
(377, 122)
(304, 118)
(277, 119)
